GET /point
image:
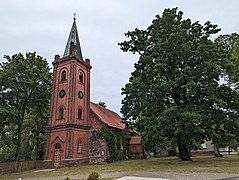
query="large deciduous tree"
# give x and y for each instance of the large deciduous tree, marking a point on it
(174, 89)
(229, 92)
(25, 84)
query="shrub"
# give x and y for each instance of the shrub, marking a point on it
(67, 178)
(93, 176)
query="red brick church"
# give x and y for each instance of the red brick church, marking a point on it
(73, 118)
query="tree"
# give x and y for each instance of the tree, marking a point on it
(228, 125)
(34, 132)
(230, 43)
(25, 83)
(176, 79)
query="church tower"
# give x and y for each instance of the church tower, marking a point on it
(69, 120)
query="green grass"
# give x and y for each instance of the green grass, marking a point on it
(227, 164)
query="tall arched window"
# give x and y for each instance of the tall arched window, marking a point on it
(63, 75)
(79, 146)
(61, 113)
(79, 113)
(81, 77)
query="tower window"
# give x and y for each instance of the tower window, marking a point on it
(61, 113)
(81, 77)
(62, 93)
(79, 113)
(57, 146)
(79, 150)
(80, 94)
(63, 76)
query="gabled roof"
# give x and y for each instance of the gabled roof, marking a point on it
(73, 42)
(107, 116)
(135, 140)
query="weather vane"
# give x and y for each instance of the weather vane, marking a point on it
(74, 16)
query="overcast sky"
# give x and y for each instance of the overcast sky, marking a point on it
(43, 26)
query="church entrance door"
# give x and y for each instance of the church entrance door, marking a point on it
(57, 155)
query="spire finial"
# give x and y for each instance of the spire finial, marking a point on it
(73, 41)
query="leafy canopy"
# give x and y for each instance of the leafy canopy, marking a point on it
(176, 80)
(25, 85)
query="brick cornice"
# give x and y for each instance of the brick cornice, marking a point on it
(64, 59)
(62, 126)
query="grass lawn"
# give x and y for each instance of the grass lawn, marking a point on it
(227, 164)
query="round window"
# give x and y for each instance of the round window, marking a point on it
(80, 94)
(62, 93)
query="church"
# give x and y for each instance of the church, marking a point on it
(74, 119)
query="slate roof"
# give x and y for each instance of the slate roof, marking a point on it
(107, 116)
(73, 42)
(135, 140)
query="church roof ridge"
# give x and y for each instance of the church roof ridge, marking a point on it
(73, 41)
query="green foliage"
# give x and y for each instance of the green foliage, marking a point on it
(174, 92)
(230, 43)
(25, 87)
(93, 176)
(67, 178)
(35, 125)
(225, 131)
(7, 153)
(117, 141)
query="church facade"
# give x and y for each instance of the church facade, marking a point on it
(74, 120)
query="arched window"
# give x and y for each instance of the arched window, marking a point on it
(61, 113)
(63, 75)
(81, 77)
(79, 113)
(79, 146)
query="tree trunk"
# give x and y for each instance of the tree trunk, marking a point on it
(184, 153)
(155, 152)
(216, 151)
(37, 143)
(19, 134)
(18, 144)
(179, 151)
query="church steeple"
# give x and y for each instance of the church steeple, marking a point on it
(69, 118)
(73, 41)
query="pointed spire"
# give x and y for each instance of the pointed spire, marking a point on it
(73, 41)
